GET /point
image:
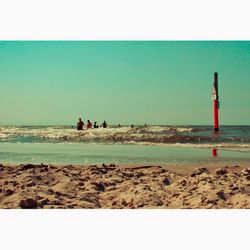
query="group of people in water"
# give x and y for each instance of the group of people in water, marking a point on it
(80, 124)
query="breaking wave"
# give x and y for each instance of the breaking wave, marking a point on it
(231, 138)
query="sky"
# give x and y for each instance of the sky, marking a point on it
(126, 82)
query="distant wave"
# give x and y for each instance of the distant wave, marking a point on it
(224, 146)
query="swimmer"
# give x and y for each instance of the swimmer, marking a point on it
(89, 124)
(104, 125)
(95, 125)
(80, 124)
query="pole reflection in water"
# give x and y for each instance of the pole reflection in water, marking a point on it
(214, 152)
(216, 135)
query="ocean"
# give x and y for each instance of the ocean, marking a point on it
(146, 145)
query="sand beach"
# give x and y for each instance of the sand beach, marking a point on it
(124, 186)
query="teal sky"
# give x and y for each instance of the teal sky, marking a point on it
(49, 82)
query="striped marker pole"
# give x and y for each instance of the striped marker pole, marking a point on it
(215, 98)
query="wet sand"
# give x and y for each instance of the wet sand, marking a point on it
(125, 186)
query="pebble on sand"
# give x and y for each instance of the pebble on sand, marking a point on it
(28, 203)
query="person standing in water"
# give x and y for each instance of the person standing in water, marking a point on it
(95, 125)
(89, 124)
(104, 125)
(80, 124)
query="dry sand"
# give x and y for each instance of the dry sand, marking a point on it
(138, 186)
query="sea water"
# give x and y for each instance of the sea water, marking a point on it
(146, 145)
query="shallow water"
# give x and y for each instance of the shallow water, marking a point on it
(92, 153)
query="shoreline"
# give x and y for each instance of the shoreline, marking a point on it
(210, 185)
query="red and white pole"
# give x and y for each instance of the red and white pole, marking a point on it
(216, 102)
